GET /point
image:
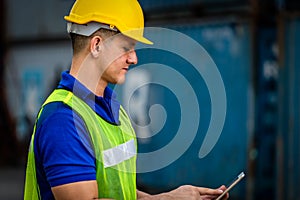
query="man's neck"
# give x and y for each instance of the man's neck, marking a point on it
(88, 74)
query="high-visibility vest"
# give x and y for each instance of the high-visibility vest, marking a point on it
(114, 148)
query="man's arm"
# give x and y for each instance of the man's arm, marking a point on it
(85, 190)
(64, 154)
(76, 190)
(141, 195)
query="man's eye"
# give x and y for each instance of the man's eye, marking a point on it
(126, 49)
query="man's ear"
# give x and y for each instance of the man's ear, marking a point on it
(95, 46)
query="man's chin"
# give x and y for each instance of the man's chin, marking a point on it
(120, 81)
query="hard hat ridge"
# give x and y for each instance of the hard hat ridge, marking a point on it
(88, 29)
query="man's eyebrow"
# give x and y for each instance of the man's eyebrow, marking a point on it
(132, 44)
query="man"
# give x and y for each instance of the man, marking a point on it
(83, 145)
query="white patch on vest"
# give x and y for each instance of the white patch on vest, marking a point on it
(118, 154)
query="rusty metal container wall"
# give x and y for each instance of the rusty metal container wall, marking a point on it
(149, 5)
(289, 111)
(36, 20)
(228, 44)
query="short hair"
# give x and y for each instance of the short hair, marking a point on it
(79, 42)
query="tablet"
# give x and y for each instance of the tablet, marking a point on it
(240, 177)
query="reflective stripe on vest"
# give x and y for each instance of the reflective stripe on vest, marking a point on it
(114, 149)
(118, 154)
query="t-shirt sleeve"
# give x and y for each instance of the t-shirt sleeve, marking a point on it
(64, 149)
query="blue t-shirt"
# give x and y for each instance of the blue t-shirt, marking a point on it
(62, 146)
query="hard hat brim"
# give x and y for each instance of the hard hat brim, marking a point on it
(138, 38)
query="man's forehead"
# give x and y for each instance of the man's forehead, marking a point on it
(123, 39)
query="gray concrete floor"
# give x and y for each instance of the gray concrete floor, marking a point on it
(11, 183)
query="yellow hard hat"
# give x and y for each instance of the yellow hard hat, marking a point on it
(126, 15)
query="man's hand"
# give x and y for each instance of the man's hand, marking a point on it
(188, 192)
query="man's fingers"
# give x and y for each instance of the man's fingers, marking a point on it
(222, 187)
(209, 191)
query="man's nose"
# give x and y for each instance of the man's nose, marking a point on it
(132, 58)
